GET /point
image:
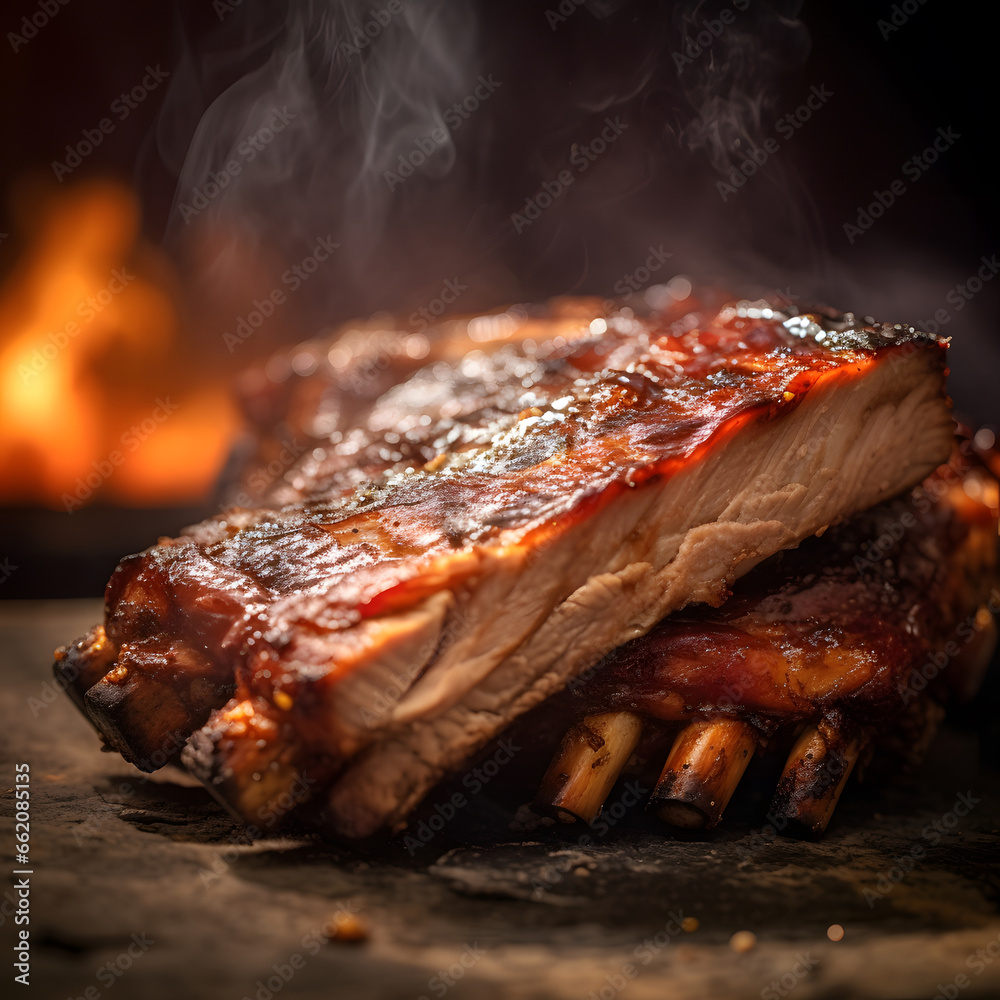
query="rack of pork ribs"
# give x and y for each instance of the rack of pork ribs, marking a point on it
(730, 521)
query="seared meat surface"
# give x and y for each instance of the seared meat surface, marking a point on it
(847, 643)
(493, 527)
(861, 621)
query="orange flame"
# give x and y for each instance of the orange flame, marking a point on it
(95, 399)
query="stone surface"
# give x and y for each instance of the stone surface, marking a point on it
(121, 859)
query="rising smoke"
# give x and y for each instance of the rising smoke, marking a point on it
(515, 151)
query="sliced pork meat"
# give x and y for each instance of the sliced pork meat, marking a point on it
(844, 638)
(495, 526)
(860, 620)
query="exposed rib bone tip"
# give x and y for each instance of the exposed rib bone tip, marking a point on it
(587, 765)
(704, 767)
(815, 774)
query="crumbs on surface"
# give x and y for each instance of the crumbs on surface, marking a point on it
(346, 928)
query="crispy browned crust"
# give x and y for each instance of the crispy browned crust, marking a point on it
(394, 510)
(859, 622)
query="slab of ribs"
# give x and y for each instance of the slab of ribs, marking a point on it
(726, 523)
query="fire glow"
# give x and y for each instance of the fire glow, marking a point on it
(97, 399)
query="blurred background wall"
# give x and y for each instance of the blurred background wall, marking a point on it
(167, 168)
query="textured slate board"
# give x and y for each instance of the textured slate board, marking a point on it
(117, 854)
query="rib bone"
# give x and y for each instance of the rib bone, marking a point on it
(817, 769)
(588, 764)
(704, 767)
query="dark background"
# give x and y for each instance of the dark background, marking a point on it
(655, 186)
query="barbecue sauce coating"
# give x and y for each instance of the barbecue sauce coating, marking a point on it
(857, 622)
(503, 448)
(521, 439)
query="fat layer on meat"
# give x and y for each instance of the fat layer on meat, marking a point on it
(496, 526)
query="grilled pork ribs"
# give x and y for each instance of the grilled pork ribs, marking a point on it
(848, 641)
(461, 546)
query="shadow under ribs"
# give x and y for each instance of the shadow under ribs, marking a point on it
(496, 526)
